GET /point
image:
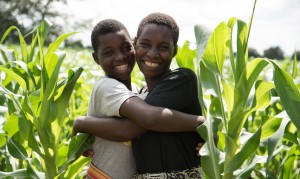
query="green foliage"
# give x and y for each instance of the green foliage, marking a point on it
(255, 116)
(37, 96)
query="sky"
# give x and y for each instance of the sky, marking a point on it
(275, 22)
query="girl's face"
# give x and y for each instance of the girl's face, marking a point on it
(115, 54)
(155, 50)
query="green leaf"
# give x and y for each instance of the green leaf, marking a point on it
(262, 96)
(210, 155)
(288, 92)
(16, 149)
(54, 46)
(231, 24)
(64, 98)
(24, 126)
(241, 61)
(2, 139)
(249, 76)
(78, 144)
(270, 127)
(15, 76)
(245, 172)
(208, 80)
(76, 167)
(247, 150)
(185, 56)
(20, 173)
(11, 125)
(274, 140)
(216, 49)
(202, 35)
(21, 38)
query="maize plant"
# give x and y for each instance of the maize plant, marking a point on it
(256, 119)
(37, 98)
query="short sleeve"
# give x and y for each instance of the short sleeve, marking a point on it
(107, 97)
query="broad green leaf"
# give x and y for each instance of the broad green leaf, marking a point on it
(24, 126)
(202, 35)
(33, 143)
(185, 56)
(76, 167)
(54, 45)
(15, 76)
(78, 144)
(231, 24)
(262, 96)
(63, 100)
(216, 49)
(2, 139)
(23, 44)
(16, 149)
(270, 127)
(246, 151)
(288, 92)
(208, 80)
(232, 99)
(291, 137)
(11, 125)
(246, 171)
(210, 155)
(250, 76)
(291, 162)
(241, 59)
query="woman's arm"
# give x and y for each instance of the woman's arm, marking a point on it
(115, 129)
(142, 117)
(159, 118)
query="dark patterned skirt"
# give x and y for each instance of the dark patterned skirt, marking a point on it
(195, 173)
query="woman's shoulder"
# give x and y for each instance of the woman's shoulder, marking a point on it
(182, 73)
(183, 70)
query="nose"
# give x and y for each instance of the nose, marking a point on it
(153, 53)
(121, 56)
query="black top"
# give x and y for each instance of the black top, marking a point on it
(165, 152)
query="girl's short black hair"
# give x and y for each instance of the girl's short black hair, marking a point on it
(104, 27)
(160, 19)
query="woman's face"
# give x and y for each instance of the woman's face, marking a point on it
(155, 50)
(115, 54)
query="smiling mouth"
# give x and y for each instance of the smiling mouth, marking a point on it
(121, 67)
(152, 65)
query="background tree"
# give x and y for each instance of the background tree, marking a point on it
(26, 14)
(252, 52)
(274, 53)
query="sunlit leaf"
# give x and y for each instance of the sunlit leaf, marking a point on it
(288, 92)
(14, 76)
(216, 49)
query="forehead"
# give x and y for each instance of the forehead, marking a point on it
(113, 38)
(155, 30)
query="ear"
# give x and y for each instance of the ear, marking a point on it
(95, 57)
(175, 50)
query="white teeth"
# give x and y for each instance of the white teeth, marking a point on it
(149, 64)
(121, 67)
